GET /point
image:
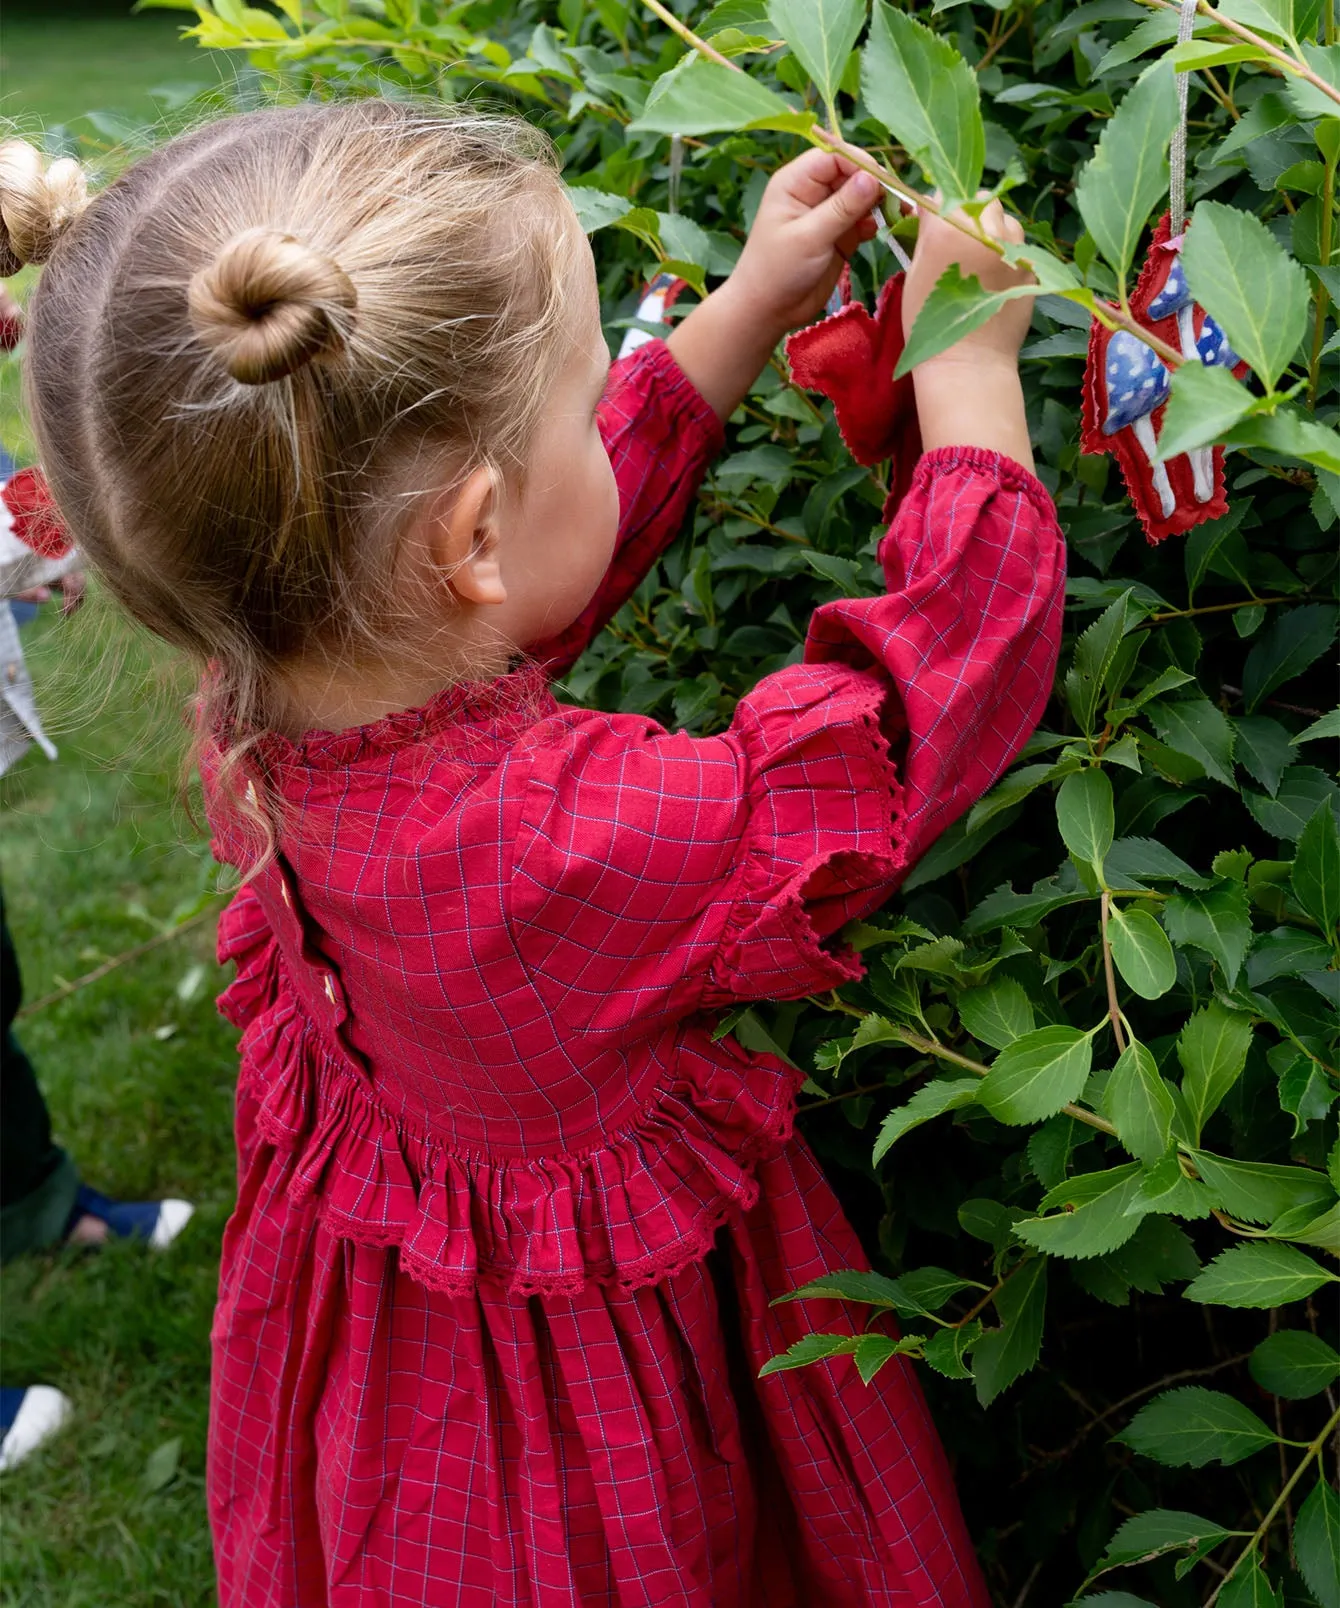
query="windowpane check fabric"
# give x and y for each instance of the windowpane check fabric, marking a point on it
(497, 1289)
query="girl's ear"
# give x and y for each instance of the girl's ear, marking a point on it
(464, 540)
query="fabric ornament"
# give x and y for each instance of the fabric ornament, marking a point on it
(28, 512)
(849, 357)
(1126, 386)
(658, 297)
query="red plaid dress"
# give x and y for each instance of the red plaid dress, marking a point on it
(496, 1292)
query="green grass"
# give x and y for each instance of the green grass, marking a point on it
(97, 855)
(60, 61)
(138, 1071)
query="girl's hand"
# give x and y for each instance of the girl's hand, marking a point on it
(813, 215)
(969, 395)
(939, 245)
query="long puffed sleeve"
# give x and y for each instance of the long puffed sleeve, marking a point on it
(701, 870)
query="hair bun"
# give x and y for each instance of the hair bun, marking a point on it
(37, 202)
(268, 304)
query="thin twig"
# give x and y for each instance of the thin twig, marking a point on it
(1107, 313)
(1144, 1390)
(690, 38)
(933, 1047)
(1312, 1451)
(66, 989)
(1288, 64)
(1109, 972)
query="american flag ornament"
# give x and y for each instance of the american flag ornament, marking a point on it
(1126, 388)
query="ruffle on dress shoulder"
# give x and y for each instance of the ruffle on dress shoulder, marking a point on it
(642, 1204)
(823, 842)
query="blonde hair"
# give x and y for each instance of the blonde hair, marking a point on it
(241, 346)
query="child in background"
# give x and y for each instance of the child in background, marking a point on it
(497, 1290)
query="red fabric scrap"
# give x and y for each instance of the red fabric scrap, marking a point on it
(33, 514)
(850, 358)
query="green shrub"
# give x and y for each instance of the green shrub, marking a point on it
(1106, 999)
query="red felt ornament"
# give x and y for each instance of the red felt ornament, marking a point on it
(849, 357)
(1126, 388)
(28, 510)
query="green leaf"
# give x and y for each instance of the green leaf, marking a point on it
(1316, 1543)
(997, 1013)
(919, 87)
(822, 33)
(931, 1101)
(1258, 1275)
(1213, 1051)
(1205, 541)
(874, 1350)
(1306, 1093)
(1259, 1191)
(850, 1284)
(1286, 952)
(1327, 726)
(1295, 1364)
(702, 97)
(1191, 1427)
(1133, 861)
(1150, 1535)
(1085, 815)
(1301, 789)
(1249, 284)
(1316, 869)
(810, 1348)
(1204, 406)
(1249, 1588)
(1263, 749)
(1005, 907)
(1297, 637)
(1002, 1354)
(1198, 728)
(597, 209)
(1094, 655)
(1139, 1103)
(1127, 175)
(947, 1350)
(1292, 433)
(1165, 1189)
(1142, 952)
(1308, 100)
(1322, 1231)
(1273, 17)
(161, 1467)
(1037, 1074)
(1217, 921)
(1099, 1224)
(955, 307)
(1009, 791)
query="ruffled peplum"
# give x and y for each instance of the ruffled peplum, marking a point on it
(644, 1203)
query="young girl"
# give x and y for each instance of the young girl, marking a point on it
(323, 394)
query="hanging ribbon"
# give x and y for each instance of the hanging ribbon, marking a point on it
(1186, 21)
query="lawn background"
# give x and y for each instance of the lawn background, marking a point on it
(98, 853)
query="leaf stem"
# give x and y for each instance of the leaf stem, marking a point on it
(1287, 63)
(66, 989)
(1109, 972)
(1216, 608)
(941, 1052)
(1312, 1451)
(690, 38)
